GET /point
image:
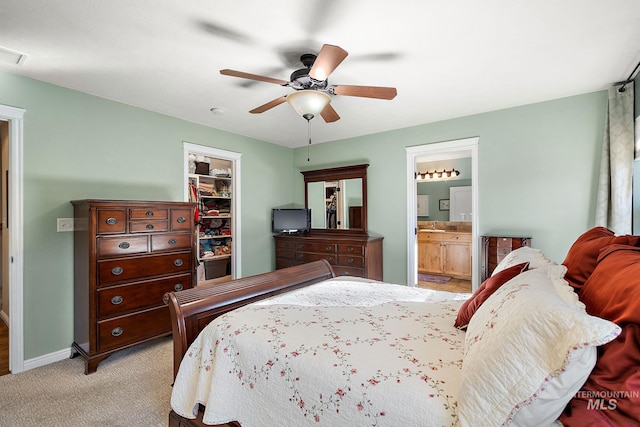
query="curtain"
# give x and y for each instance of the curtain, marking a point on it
(614, 205)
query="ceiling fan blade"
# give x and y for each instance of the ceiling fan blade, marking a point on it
(234, 73)
(328, 59)
(366, 91)
(329, 114)
(269, 105)
(272, 71)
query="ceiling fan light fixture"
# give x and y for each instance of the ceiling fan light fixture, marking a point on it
(313, 94)
(308, 103)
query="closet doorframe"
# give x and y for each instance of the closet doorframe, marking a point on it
(235, 159)
(16, 267)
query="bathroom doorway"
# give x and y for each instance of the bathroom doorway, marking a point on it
(436, 155)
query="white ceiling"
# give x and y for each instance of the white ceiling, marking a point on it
(446, 58)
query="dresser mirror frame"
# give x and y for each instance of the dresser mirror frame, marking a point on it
(338, 174)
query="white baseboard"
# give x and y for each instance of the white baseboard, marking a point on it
(36, 362)
(40, 360)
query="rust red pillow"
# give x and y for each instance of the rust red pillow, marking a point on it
(583, 254)
(612, 292)
(484, 291)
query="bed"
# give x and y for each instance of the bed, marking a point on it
(299, 346)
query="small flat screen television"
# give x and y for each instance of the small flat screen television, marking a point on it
(291, 220)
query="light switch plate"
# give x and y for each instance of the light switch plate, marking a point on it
(65, 224)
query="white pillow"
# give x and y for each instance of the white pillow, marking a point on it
(534, 257)
(551, 401)
(527, 346)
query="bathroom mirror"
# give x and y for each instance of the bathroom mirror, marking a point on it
(337, 198)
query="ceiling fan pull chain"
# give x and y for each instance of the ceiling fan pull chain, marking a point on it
(309, 135)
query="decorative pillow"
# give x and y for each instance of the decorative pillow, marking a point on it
(534, 257)
(486, 289)
(525, 346)
(582, 256)
(613, 292)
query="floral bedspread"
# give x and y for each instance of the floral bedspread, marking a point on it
(341, 352)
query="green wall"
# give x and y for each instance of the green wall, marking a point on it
(538, 167)
(79, 146)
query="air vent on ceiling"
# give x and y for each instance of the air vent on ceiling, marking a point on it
(11, 57)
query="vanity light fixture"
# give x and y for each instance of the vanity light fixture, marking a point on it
(424, 176)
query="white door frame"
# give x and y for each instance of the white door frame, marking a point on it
(16, 309)
(234, 158)
(440, 149)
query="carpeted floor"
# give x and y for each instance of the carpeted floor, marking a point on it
(432, 278)
(130, 388)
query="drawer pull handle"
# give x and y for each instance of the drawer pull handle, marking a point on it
(330, 259)
(350, 260)
(328, 247)
(177, 262)
(350, 249)
(149, 226)
(112, 221)
(172, 241)
(345, 273)
(117, 300)
(116, 332)
(178, 287)
(181, 219)
(116, 271)
(149, 213)
(124, 245)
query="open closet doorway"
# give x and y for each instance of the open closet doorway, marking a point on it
(212, 181)
(12, 250)
(429, 250)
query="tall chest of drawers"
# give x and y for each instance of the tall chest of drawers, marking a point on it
(496, 248)
(127, 255)
(349, 255)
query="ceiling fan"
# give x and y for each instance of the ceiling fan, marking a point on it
(313, 92)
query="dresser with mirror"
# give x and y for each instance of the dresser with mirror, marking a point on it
(337, 198)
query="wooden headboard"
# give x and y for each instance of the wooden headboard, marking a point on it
(193, 309)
